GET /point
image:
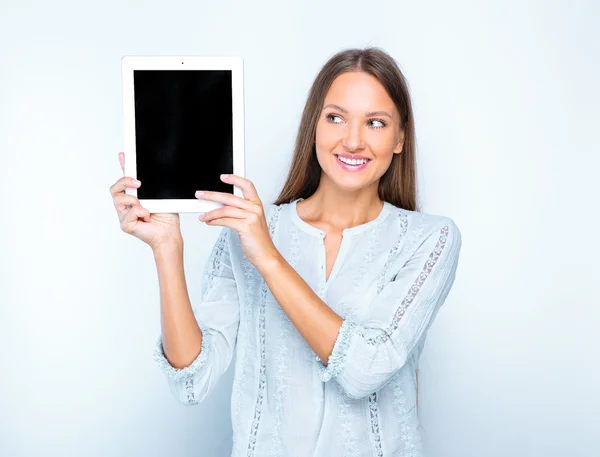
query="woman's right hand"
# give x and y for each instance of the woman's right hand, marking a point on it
(153, 229)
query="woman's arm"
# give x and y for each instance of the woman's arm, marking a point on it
(197, 343)
(363, 356)
(181, 335)
(317, 323)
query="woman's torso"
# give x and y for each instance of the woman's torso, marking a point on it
(280, 407)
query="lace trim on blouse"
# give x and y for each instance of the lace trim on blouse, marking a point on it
(374, 417)
(338, 356)
(414, 290)
(187, 373)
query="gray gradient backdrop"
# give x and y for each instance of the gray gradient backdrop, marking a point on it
(506, 103)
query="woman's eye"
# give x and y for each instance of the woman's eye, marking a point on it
(330, 116)
(379, 124)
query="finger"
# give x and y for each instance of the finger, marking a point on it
(226, 211)
(123, 202)
(122, 184)
(127, 200)
(236, 224)
(248, 189)
(122, 161)
(228, 199)
(135, 213)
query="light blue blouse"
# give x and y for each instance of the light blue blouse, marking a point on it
(390, 277)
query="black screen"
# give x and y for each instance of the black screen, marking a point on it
(183, 129)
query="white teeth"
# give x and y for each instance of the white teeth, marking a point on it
(352, 161)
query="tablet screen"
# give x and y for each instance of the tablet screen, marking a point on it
(183, 132)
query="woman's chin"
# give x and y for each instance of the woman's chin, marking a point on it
(349, 183)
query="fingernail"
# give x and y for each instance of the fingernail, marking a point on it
(200, 192)
(136, 182)
(224, 176)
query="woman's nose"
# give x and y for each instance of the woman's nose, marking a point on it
(352, 137)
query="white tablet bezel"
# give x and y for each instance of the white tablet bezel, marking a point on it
(233, 63)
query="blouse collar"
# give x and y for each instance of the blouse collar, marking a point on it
(302, 224)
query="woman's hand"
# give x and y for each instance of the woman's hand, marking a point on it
(153, 229)
(244, 215)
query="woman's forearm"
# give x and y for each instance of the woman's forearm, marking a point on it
(182, 338)
(318, 324)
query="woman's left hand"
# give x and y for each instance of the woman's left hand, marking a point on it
(244, 215)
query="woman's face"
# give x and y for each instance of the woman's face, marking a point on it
(358, 121)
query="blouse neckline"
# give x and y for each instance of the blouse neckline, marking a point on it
(311, 229)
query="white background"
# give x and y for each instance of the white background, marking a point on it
(506, 102)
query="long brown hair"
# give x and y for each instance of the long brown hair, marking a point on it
(398, 184)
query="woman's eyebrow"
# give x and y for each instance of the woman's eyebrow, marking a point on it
(372, 113)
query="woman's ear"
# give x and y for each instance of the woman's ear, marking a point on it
(400, 144)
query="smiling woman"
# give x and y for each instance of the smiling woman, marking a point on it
(326, 295)
(358, 107)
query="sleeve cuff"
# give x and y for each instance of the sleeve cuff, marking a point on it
(178, 374)
(338, 356)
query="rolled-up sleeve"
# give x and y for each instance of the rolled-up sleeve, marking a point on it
(217, 314)
(367, 354)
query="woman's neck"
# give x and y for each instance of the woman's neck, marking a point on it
(338, 209)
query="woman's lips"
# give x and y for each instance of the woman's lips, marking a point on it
(348, 167)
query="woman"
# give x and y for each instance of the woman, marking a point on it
(326, 295)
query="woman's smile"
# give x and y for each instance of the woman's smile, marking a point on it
(352, 164)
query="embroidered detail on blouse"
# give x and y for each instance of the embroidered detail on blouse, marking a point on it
(375, 432)
(348, 435)
(211, 273)
(241, 379)
(319, 388)
(189, 387)
(407, 433)
(420, 223)
(282, 370)
(415, 288)
(262, 378)
(392, 253)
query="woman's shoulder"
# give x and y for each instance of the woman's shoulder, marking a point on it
(422, 218)
(419, 225)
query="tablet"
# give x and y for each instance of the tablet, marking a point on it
(184, 127)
